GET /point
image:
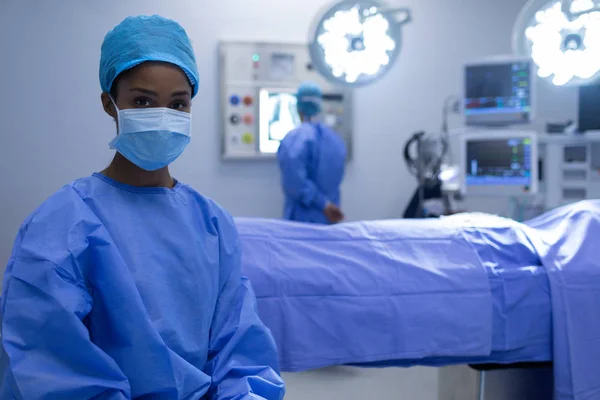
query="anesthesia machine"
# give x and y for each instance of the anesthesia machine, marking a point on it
(498, 94)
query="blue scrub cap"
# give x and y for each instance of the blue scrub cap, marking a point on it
(310, 99)
(146, 38)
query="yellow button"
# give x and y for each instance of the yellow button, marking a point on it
(248, 138)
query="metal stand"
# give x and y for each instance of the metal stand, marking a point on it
(421, 177)
(481, 395)
(426, 165)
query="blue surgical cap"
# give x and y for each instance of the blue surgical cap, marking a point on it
(309, 97)
(146, 38)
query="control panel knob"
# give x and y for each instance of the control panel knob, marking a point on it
(234, 100)
(248, 138)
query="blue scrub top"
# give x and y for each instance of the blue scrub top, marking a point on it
(121, 292)
(312, 159)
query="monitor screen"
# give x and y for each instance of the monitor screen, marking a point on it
(278, 116)
(589, 108)
(500, 164)
(498, 93)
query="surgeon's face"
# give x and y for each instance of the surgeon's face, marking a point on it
(150, 85)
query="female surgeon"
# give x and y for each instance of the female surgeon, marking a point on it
(126, 284)
(312, 159)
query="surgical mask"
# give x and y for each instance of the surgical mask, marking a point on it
(152, 138)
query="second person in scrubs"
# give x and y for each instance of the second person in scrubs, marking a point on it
(312, 160)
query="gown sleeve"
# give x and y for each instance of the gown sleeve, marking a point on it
(47, 349)
(243, 359)
(294, 158)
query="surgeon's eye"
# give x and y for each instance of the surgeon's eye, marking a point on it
(143, 102)
(179, 105)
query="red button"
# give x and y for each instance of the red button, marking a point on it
(248, 119)
(248, 100)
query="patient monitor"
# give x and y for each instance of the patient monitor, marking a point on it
(258, 103)
(499, 163)
(499, 92)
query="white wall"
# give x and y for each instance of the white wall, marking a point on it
(53, 128)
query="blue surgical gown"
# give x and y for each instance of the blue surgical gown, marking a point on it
(312, 160)
(121, 292)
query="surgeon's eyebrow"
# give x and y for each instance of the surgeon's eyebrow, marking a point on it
(146, 91)
(181, 93)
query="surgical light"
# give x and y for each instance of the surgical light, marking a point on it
(355, 43)
(562, 38)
